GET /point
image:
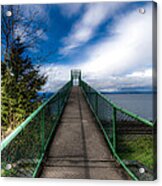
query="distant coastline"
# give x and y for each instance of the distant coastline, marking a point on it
(48, 94)
(131, 92)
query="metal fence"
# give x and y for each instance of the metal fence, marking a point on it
(23, 150)
(129, 136)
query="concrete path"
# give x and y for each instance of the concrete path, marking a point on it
(78, 150)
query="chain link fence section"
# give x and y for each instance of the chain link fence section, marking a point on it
(130, 137)
(23, 150)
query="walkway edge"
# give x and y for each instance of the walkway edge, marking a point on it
(108, 141)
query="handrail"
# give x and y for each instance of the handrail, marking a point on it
(9, 138)
(36, 131)
(27, 144)
(145, 121)
(125, 132)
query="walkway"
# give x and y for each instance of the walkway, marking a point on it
(78, 149)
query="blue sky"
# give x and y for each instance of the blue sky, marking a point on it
(109, 42)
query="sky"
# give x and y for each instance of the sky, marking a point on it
(111, 43)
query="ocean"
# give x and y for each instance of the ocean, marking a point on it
(140, 104)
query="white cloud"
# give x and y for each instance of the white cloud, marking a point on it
(40, 33)
(39, 11)
(31, 24)
(130, 49)
(71, 9)
(113, 83)
(23, 32)
(141, 74)
(58, 75)
(85, 28)
(121, 61)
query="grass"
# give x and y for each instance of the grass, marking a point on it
(138, 148)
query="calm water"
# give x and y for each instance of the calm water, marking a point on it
(140, 104)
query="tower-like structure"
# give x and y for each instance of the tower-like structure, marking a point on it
(76, 77)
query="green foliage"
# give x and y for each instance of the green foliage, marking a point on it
(141, 148)
(20, 83)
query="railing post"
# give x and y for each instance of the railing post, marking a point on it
(42, 130)
(58, 103)
(80, 82)
(114, 127)
(71, 78)
(96, 103)
(89, 96)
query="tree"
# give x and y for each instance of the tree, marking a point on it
(21, 80)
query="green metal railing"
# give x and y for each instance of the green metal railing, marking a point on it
(23, 150)
(129, 136)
